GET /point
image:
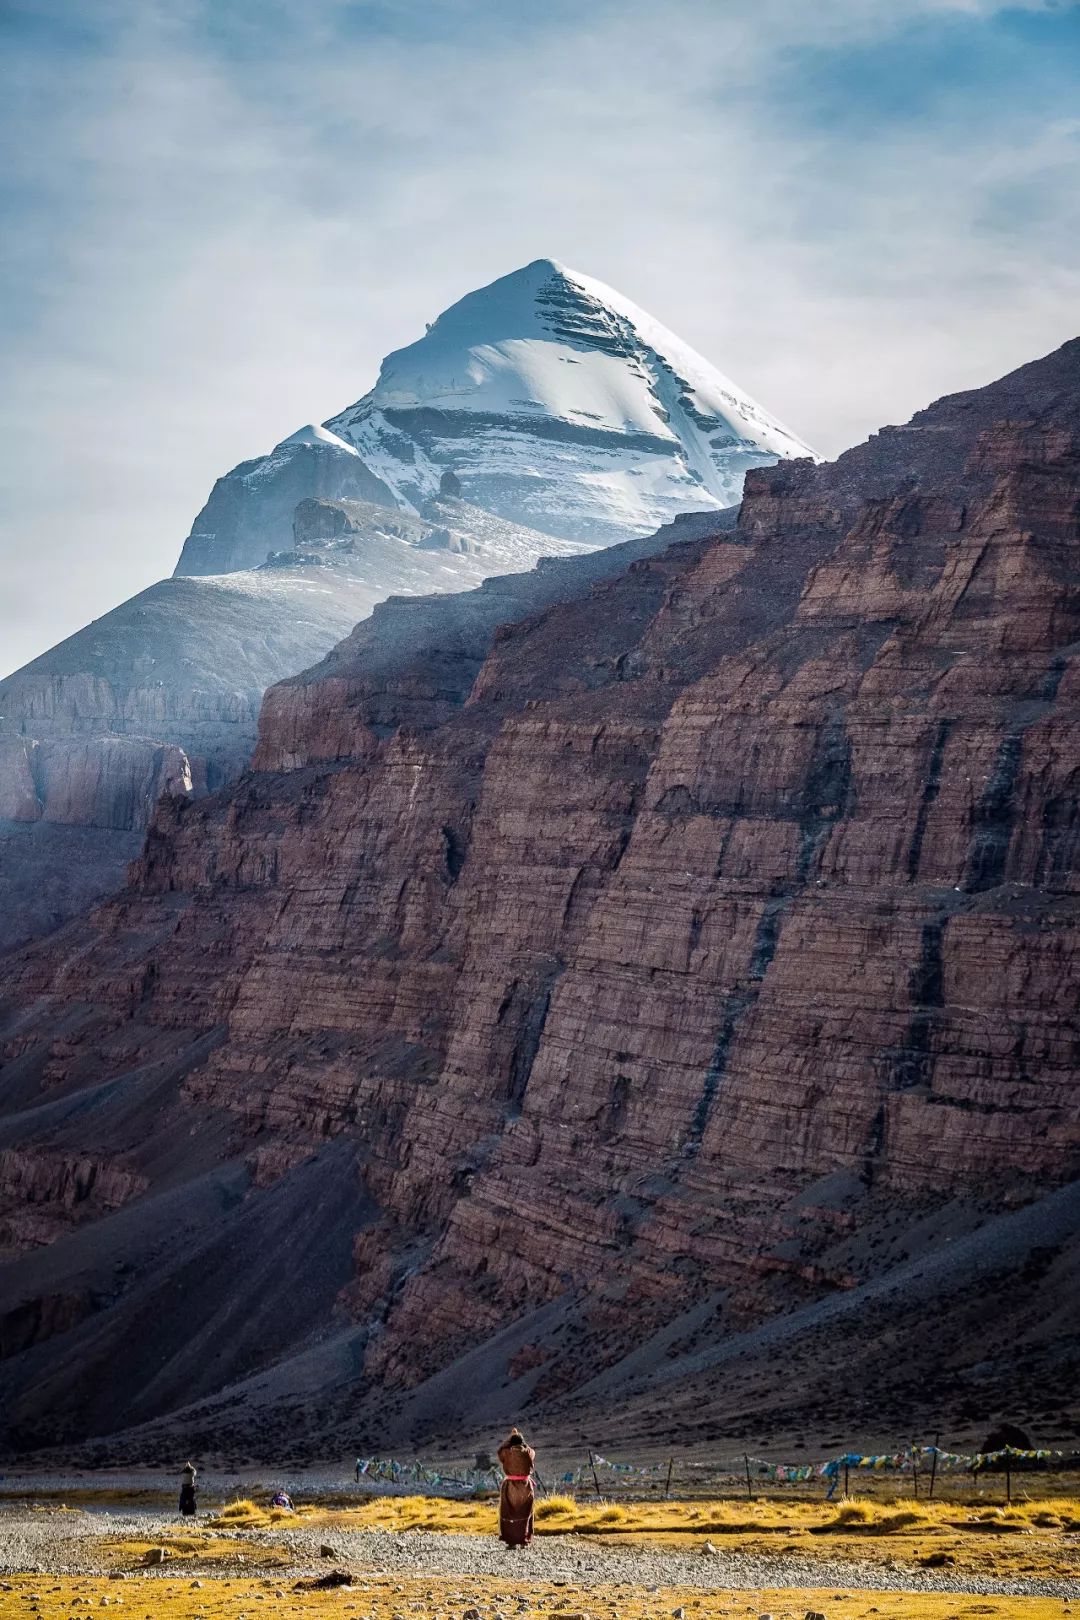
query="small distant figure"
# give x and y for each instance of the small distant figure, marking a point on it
(188, 1502)
(359, 1469)
(283, 1500)
(518, 1493)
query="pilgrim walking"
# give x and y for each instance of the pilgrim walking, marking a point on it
(518, 1494)
(188, 1503)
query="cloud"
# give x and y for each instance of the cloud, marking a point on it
(221, 217)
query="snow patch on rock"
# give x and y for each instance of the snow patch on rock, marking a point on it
(314, 433)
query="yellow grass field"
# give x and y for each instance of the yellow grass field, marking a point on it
(200, 1579)
(156, 1598)
(1037, 1538)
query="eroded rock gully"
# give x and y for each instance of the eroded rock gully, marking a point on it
(668, 945)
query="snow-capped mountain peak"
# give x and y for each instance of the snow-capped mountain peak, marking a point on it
(561, 404)
(546, 399)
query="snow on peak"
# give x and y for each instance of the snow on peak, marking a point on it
(560, 403)
(547, 338)
(313, 433)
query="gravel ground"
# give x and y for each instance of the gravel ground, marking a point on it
(67, 1545)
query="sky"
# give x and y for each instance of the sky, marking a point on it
(219, 215)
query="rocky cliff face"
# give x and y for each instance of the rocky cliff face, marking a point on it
(699, 946)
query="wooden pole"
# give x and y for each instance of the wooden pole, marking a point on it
(749, 1487)
(592, 1465)
(933, 1466)
(845, 1478)
(915, 1468)
(1008, 1476)
(670, 1466)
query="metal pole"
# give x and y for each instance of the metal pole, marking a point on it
(749, 1487)
(592, 1465)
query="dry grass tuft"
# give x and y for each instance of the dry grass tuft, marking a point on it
(615, 1514)
(555, 1507)
(852, 1513)
(891, 1524)
(243, 1509)
(875, 1519)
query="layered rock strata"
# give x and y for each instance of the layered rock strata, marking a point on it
(683, 944)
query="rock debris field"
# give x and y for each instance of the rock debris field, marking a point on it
(78, 1544)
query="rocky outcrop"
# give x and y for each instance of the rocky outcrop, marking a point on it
(92, 782)
(249, 514)
(40, 1188)
(159, 696)
(416, 659)
(72, 811)
(687, 945)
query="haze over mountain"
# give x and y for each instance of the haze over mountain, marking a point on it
(540, 416)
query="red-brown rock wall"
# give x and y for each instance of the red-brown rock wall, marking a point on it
(750, 870)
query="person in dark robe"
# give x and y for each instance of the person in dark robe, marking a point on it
(518, 1494)
(188, 1503)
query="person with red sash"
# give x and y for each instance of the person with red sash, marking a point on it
(517, 1495)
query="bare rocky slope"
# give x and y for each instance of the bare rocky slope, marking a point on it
(558, 1000)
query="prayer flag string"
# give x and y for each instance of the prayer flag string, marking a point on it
(388, 1470)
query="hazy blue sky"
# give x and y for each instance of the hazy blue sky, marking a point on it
(220, 214)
